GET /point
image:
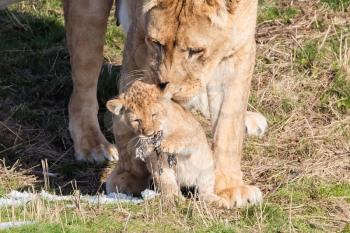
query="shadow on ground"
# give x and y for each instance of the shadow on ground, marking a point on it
(35, 86)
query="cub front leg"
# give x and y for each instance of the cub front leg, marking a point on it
(163, 176)
(86, 23)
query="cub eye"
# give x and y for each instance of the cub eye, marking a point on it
(138, 121)
(154, 115)
(195, 52)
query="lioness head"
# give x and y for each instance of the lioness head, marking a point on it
(144, 107)
(181, 39)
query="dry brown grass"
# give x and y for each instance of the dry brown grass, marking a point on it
(302, 164)
(14, 178)
(305, 136)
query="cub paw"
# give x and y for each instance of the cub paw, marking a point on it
(168, 147)
(255, 124)
(242, 195)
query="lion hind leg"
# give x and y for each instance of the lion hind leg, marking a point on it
(123, 14)
(255, 124)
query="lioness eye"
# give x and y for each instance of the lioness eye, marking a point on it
(155, 43)
(195, 52)
(137, 120)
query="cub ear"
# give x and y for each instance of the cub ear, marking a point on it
(115, 105)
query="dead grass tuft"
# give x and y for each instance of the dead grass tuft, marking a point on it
(14, 178)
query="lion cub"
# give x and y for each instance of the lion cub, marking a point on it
(149, 110)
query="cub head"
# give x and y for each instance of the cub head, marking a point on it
(179, 40)
(143, 106)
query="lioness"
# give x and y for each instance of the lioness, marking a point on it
(184, 159)
(169, 41)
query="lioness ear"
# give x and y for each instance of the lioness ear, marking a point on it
(115, 105)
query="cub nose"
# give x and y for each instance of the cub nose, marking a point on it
(147, 132)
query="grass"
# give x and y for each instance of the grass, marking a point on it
(337, 4)
(301, 84)
(270, 11)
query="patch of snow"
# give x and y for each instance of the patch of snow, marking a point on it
(111, 198)
(7, 225)
(148, 194)
(15, 198)
(52, 197)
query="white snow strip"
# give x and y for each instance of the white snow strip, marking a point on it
(15, 198)
(111, 198)
(7, 225)
(10, 202)
(148, 194)
(52, 197)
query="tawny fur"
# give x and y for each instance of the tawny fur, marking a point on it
(86, 23)
(169, 41)
(148, 110)
(213, 41)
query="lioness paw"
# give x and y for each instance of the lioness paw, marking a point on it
(242, 195)
(98, 154)
(89, 143)
(255, 124)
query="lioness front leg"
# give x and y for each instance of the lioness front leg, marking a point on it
(228, 129)
(86, 23)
